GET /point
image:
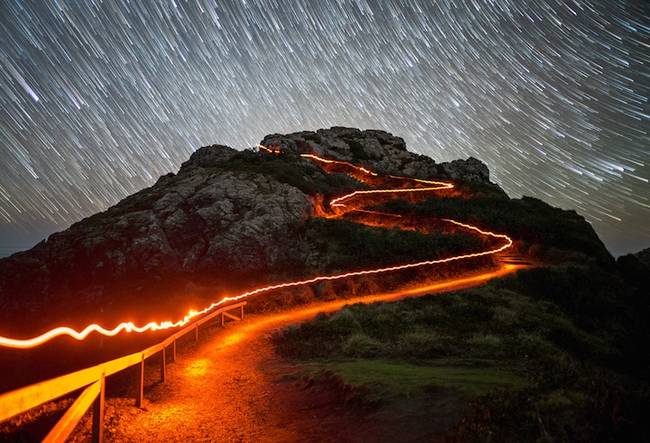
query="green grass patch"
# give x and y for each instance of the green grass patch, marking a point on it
(402, 378)
(557, 345)
(296, 172)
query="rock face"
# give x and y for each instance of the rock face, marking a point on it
(636, 267)
(205, 223)
(379, 150)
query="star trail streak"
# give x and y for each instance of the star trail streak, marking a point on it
(98, 99)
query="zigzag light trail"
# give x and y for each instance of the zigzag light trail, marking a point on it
(430, 186)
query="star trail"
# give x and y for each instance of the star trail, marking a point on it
(98, 99)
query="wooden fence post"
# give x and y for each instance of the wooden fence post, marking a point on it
(174, 350)
(98, 413)
(241, 312)
(223, 320)
(139, 396)
(163, 371)
(196, 334)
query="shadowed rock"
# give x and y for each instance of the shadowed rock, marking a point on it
(204, 224)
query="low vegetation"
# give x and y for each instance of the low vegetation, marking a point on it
(551, 232)
(296, 172)
(398, 378)
(337, 244)
(550, 354)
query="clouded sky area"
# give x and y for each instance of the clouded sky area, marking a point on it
(98, 99)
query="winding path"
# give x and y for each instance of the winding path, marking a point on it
(389, 187)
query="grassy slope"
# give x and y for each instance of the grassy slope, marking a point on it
(396, 378)
(550, 232)
(552, 346)
(341, 244)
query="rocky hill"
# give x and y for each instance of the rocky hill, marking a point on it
(644, 256)
(551, 353)
(231, 219)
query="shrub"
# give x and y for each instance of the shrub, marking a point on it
(357, 150)
(346, 245)
(360, 345)
(296, 172)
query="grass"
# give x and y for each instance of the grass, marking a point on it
(296, 172)
(497, 322)
(558, 234)
(398, 378)
(557, 345)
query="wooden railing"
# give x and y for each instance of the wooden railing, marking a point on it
(93, 381)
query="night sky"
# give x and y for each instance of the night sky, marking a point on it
(99, 98)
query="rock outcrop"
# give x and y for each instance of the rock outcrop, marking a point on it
(378, 150)
(644, 256)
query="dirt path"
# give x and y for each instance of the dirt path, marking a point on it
(217, 393)
(230, 387)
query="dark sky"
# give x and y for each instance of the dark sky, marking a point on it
(97, 99)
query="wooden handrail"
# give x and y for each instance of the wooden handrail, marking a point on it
(23, 399)
(69, 421)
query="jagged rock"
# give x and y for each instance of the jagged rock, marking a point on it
(644, 256)
(379, 150)
(209, 157)
(636, 268)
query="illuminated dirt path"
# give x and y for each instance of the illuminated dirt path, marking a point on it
(230, 388)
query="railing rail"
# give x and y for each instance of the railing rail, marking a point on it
(93, 380)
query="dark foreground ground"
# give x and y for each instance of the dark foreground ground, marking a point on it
(234, 387)
(547, 354)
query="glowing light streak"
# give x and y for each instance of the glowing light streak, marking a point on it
(274, 151)
(130, 327)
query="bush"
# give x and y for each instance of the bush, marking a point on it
(532, 322)
(357, 150)
(296, 172)
(360, 345)
(346, 245)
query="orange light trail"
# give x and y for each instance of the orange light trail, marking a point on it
(305, 312)
(130, 327)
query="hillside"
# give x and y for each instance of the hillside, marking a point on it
(550, 353)
(229, 220)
